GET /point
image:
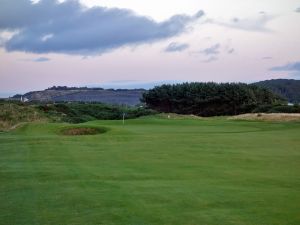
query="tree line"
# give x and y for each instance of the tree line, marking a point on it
(209, 99)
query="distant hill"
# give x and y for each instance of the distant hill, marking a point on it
(65, 94)
(289, 89)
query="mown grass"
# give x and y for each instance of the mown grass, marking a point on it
(152, 171)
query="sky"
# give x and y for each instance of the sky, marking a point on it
(133, 43)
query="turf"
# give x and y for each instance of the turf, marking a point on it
(152, 171)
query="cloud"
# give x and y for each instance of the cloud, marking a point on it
(295, 66)
(297, 10)
(131, 84)
(227, 47)
(176, 47)
(267, 58)
(41, 59)
(213, 50)
(229, 50)
(2, 41)
(257, 23)
(210, 59)
(48, 26)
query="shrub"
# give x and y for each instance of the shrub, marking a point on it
(83, 112)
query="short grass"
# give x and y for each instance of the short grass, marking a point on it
(152, 171)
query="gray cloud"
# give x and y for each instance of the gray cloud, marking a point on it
(267, 58)
(69, 27)
(230, 51)
(2, 41)
(210, 59)
(213, 50)
(257, 23)
(41, 59)
(176, 47)
(297, 10)
(295, 66)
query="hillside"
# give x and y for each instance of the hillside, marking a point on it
(289, 89)
(108, 96)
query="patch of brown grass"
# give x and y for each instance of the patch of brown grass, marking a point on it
(268, 117)
(74, 131)
(177, 116)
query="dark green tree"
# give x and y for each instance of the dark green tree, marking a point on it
(209, 99)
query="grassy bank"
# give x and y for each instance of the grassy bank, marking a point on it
(14, 113)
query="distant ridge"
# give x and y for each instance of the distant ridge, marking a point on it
(83, 94)
(287, 88)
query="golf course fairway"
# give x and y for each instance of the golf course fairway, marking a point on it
(151, 171)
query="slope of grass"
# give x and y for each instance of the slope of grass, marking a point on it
(152, 171)
(14, 113)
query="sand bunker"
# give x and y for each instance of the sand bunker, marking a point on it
(73, 131)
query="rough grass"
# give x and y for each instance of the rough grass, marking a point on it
(12, 114)
(175, 116)
(152, 171)
(268, 116)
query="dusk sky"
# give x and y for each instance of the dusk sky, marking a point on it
(134, 43)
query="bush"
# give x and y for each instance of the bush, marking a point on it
(83, 112)
(285, 109)
(277, 109)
